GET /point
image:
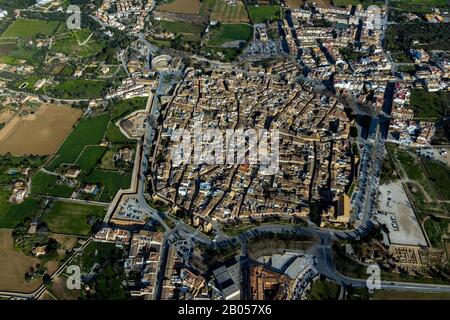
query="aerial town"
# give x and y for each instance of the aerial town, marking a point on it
(224, 150)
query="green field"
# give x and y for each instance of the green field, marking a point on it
(410, 164)
(182, 27)
(230, 32)
(324, 290)
(90, 157)
(26, 28)
(223, 12)
(11, 215)
(439, 175)
(261, 14)
(430, 105)
(400, 295)
(97, 252)
(419, 6)
(114, 135)
(45, 184)
(77, 44)
(111, 181)
(206, 7)
(365, 3)
(16, 54)
(436, 228)
(78, 89)
(125, 107)
(72, 218)
(89, 131)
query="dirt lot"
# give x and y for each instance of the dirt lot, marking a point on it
(294, 4)
(38, 134)
(60, 291)
(13, 265)
(398, 216)
(5, 116)
(181, 6)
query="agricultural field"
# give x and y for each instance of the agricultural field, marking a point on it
(225, 13)
(78, 89)
(17, 55)
(6, 47)
(230, 32)
(206, 7)
(294, 4)
(111, 182)
(27, 28)
(90, 157)
(261, 14)
(13, 265)
(40, 133)
(89, 131)
(180, 6)
(79, 43)
(72, 218)
(47, 184)
(11, 215)
(180, 27)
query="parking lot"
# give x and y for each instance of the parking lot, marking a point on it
(438, 154)
(396, 213)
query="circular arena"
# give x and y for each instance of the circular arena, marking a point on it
(161, 62)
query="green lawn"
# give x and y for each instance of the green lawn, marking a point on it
(410, 164)
(90, 157)
(429, 176)
(78, 89)
(260, 14)
(45, 184)
(230, 32)
(436, 228)
(11, 215)
(125, 107)
(111, 182)
(89, 131)
(114, 135)
(97, 252)
(400, 295)
(72, 218)
(324, 290)
(439, 175)
(430, 105)
(27, 28)
(78, 43)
